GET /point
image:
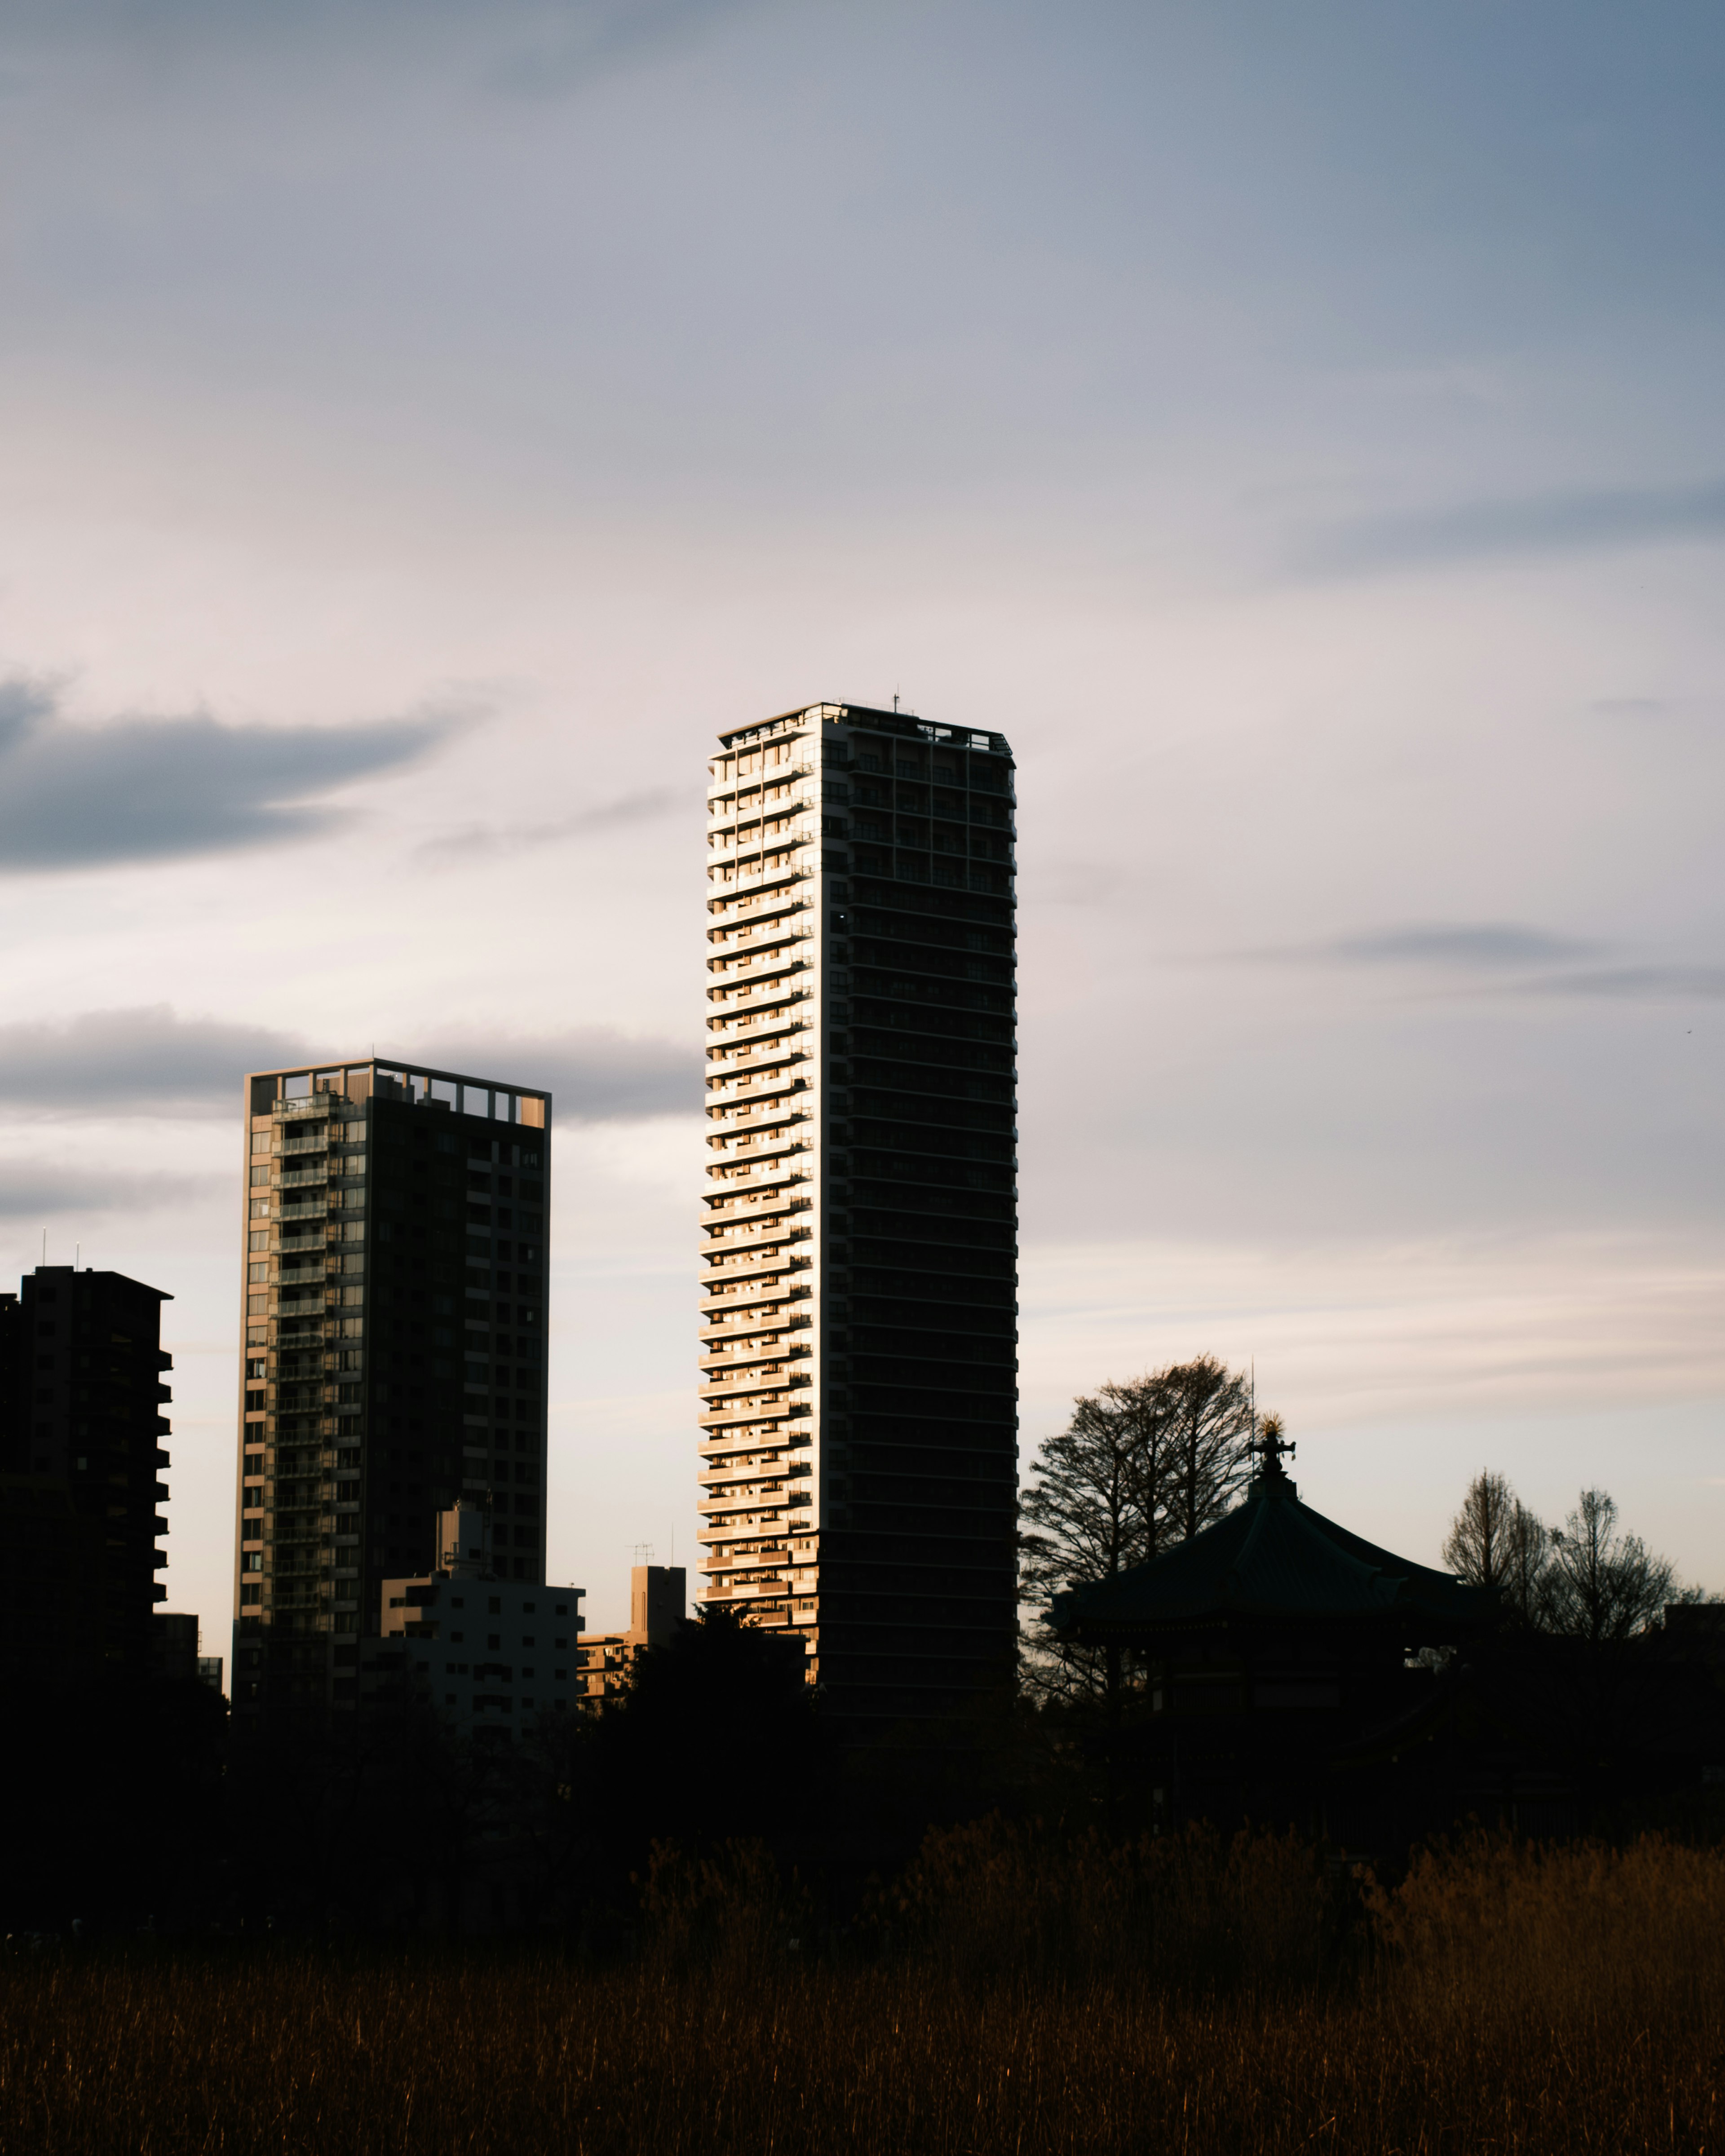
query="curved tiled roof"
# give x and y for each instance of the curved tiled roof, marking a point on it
(1271, 1556)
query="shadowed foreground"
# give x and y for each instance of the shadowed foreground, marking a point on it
(1498, 2001)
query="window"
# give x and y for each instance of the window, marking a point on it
(496, 1605)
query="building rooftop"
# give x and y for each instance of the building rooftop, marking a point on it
(1273, 1557)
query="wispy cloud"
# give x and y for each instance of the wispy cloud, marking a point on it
(146, 1059)
(1473, 945)
(1564, 522)
(1661, 984)
(594, 1074)
(469, 844)
(46, 1190)
(149, 1061)
(154, 789)
(1503, 957)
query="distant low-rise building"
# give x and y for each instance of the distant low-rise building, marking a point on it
(176, 1640)
(658, 1601)
(174, 1647)
(492, 1655)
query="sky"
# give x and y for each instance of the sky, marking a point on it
(423, 428)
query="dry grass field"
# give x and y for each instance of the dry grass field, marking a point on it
(1005, 1996)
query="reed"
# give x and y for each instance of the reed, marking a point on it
(1500, 1998)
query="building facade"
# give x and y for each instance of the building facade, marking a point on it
(82, 1451)
(492, 1655)
(859, 1336)
(658, 1603)
(394, 1317)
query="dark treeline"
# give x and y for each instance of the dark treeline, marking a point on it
(146, 1808)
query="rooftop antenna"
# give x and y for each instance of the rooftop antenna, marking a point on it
(45, 1247)
(894, 700)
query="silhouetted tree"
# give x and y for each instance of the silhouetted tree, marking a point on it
(1600, 1586)
(1210, 1412)
(1139, 1467)
(1495, 1542)
(716, 1735)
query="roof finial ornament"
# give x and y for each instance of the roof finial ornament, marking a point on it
(1275, 1447)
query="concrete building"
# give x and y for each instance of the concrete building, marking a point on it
(174, 1647)
(394, 1312)
(491, 1654)
(175, 1652)
(658, 1603)
(82, 1451)
(858, 1426)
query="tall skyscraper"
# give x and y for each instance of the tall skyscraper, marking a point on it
(394, 1314)
(859, 1310)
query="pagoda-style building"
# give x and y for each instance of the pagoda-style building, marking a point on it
(1277, 1669)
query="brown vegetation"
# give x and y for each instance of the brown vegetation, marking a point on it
(1009, 1994)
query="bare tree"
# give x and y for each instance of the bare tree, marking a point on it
(1139, 1467)
(1495, 1542)
(1210, 1408)
(1093, 1511)
(1601, 1586)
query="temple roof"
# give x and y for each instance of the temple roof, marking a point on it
(1271, 1556)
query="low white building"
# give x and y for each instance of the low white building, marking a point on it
(492, 1655)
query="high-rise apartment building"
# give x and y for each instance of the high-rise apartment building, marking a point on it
(394, 1314)
(858, 1443)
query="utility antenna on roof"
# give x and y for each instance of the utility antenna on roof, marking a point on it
(894, 700)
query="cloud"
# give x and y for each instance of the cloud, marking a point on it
(1470, 945)
(1509, 948)
(594, 1074)
(149, 1061)
(1639, 983)
(140, 790)
(473, 843)
(146, 1059)
(1536, 524)
(42, 1190)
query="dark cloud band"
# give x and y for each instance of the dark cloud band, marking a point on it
(43, 1190)
(149, 1061)
(163, 789)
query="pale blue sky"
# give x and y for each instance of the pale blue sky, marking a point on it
(1297, 429)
